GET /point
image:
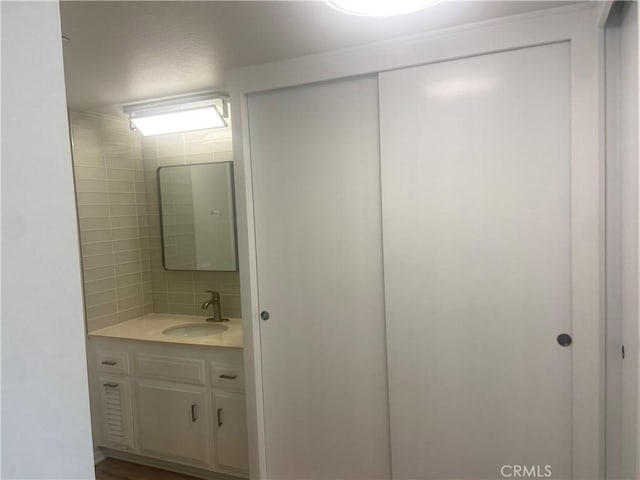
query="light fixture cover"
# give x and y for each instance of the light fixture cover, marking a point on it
(380, 8)
(178, 121)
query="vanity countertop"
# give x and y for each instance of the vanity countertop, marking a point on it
(149, 328)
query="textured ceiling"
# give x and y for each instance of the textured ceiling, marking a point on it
(121, 52)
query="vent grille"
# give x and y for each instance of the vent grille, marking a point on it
(113, 410)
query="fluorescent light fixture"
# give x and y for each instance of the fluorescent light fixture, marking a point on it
(179, 121)
(178, 114)
(380, 8)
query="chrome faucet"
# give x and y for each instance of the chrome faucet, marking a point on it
(215, 301)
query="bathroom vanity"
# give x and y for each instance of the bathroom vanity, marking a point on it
(163, 397)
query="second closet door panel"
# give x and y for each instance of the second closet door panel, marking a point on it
(316, 186)
(476, 187)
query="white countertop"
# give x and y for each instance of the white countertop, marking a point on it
(149, 328)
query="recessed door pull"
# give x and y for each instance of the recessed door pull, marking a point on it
(230, 377)
(564, 339)
(109, 362)
(264, 315)
(194, 412)
(219, 417)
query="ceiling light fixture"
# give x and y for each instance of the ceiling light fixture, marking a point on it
(178, 114)
(380, 8)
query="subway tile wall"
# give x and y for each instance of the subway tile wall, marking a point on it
(110, 191)
(119, 216)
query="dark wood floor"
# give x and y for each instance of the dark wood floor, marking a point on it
(112, 469)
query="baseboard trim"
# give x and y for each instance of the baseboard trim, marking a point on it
(98, 455)
(172, 467)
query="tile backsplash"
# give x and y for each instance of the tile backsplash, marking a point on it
(119, 217)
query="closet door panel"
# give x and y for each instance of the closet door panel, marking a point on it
(476, 191)
(316, 189)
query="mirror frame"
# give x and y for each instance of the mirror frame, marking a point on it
(233, 212)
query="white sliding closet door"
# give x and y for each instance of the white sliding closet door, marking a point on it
(316, 189)
(477, 218)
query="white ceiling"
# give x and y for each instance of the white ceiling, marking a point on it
(127, 51)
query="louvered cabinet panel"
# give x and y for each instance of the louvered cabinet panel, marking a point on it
(117, 422)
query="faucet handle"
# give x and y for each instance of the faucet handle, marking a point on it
(215, 296)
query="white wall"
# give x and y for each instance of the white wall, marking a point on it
(623, 252)
(628, 151)
(613, 414)
(45, 404)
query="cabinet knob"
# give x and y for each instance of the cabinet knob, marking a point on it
(264, 315)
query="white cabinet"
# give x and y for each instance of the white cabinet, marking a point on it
(171, 422)
(230, 422)
(170, 403)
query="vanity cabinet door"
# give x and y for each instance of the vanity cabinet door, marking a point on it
(230, 421)
(172, 422)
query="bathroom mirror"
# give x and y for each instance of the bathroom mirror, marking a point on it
(198, 217)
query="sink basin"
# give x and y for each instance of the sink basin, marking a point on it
(195, 330)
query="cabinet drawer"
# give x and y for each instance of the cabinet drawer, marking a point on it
(227, 376)
(112, 362)
(185, 370)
